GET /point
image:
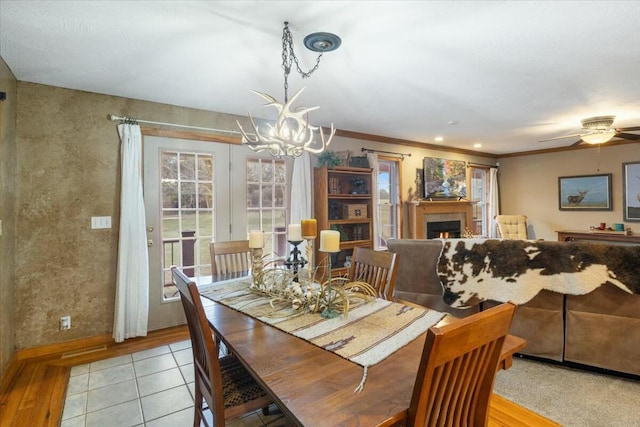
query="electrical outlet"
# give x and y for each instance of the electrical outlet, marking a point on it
(65, 323)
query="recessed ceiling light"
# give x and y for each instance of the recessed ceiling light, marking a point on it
(477, 145)
(453, 122)
(438, 139)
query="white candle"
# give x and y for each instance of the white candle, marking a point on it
(329, 241)
(309, 228)
(256, 239)
(294, 233)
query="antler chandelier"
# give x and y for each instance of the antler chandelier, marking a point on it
(291, 135)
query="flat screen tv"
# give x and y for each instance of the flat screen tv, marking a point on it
(444, 179)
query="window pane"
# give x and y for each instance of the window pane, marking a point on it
(253, 195)
(279, 196)
(205, 195)
(253, 171)
(187, 166)
(170, 225)
(253, 220)
(169, 194)
(205, 168)
(280, 172)
(169, 165)
(267, 172)
(187, 195)
(267, 196)
(267, 223)
(205, 225)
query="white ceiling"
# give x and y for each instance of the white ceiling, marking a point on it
(509, 73)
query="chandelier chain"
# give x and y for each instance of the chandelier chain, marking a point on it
(289, 57)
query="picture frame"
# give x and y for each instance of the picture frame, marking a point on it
(631, 191)
(585, 193)
(444, 179)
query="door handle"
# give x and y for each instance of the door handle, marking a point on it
(149, 242)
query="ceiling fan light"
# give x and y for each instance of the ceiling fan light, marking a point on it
(599, 137)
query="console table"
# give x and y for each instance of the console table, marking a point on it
(603, 236)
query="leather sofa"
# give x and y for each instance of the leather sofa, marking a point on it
(599, 329)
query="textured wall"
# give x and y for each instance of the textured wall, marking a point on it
(7, 214)
(68, 171)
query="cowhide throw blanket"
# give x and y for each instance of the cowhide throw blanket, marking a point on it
(474, 270)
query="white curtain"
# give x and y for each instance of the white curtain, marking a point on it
(494, 202)
(373, 164)
(300, 201)
(132, 282)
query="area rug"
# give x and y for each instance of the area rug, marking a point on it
(369, 333)
(475, 270)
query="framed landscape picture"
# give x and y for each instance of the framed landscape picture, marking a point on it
(585, 193)
(631, 191)
(444, 179)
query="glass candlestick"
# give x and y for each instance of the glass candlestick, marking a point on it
(309, 249)
(329, 312)
(256, 265)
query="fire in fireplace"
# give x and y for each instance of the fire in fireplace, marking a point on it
(443, 229)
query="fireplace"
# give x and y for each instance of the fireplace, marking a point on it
(443, 230)
(422, 214)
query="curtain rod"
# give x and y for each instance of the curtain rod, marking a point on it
(481, 165)
(115, 118)
(370, 150)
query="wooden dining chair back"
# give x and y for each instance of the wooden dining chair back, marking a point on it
(377, 268)
(226, 386)
(230, 257)
(458, 368)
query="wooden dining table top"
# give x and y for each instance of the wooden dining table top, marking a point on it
(315, 387)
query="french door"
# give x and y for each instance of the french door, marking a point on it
(196, 192)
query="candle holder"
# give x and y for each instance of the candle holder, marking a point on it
(309, 249)
(256, 265)
(295, 260)
(329, 312)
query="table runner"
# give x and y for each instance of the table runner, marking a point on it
(371, 331)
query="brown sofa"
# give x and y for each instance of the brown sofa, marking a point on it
(599, 329)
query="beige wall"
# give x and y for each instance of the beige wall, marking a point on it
(68, 169)
(529, 185)
(7, 214)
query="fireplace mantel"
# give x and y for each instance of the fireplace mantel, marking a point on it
(418, 211)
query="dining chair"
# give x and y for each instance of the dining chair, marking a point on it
(231, 257)
(226, 386)
(457, 370)
(512, 226)
(377, 268)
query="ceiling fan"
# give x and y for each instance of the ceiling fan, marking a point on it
(599, 131)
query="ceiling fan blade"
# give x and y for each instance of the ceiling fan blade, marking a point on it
(627, 129)
(627, 135)
(561, 137)
(578, 142)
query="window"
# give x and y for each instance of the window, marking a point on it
(388, 209)
(267, 202)
(479, 177)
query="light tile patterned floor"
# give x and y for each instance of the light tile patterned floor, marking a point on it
(152, 388)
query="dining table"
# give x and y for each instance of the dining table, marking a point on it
(316, 387)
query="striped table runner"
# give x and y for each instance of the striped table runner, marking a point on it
(371, 331)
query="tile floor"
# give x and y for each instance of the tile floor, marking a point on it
(151, 388)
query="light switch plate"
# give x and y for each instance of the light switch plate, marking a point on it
(99, 222)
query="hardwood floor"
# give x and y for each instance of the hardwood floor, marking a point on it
(33, 389)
